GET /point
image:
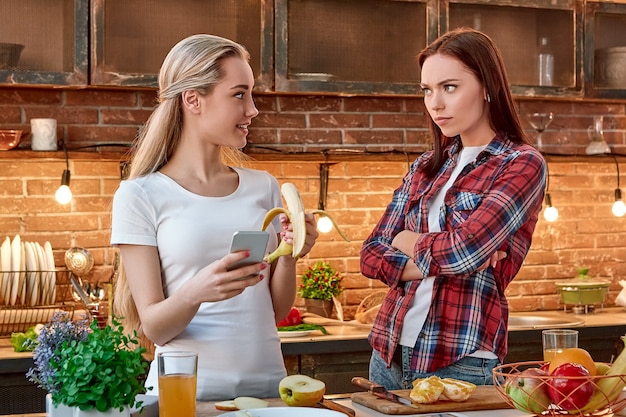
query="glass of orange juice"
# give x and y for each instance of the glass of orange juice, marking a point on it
(178, 372)
(555, 340)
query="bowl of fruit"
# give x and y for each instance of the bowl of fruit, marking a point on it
(571, 384)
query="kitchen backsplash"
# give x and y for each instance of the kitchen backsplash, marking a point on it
(363, 138)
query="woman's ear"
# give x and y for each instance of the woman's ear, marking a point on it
(191, 100)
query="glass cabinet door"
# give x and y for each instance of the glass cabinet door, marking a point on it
(44, 42)
(347, 46)
(540, 40)
(605, 50)
(130, 39)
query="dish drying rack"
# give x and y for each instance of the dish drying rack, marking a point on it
(19, 316)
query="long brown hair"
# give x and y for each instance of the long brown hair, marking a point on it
(195, 63)
(479, 53)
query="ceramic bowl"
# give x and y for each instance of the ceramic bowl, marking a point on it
(9, 139)
(10, 55)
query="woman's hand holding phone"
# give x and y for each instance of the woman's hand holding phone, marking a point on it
(255, 243)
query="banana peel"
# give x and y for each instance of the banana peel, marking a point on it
(295, 211)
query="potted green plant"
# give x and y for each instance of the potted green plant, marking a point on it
(320, 284)
(89, 369)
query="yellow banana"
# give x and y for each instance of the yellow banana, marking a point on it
(295, 212)
(609, 386)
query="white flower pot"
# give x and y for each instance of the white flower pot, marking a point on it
(95, 413)
(60, 410)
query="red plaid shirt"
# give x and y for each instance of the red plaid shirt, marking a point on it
(492, 205)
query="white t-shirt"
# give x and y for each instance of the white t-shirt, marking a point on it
(236, 340)
(420, 304)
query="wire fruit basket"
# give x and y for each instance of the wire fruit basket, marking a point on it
(608, 402)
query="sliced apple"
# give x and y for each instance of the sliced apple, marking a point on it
(246, 403)
(228, 405)
(301, 390)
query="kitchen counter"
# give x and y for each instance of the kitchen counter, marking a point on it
(207, 409)
(343, 354)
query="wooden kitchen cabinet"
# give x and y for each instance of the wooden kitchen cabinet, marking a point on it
(324, 46)
(517, 28)
(605, 49)
(129, 40)
(345, 46)
(54, 34)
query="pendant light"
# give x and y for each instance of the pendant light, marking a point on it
(619, 208)
(550, 213)
(324, 224)
(63, 194)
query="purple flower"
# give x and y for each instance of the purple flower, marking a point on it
(58, 330)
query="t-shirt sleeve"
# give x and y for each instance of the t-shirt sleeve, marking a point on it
(133, 217)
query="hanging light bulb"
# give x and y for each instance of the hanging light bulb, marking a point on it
(63, 194)
(324, 224)
(550, 213)
(619, 208)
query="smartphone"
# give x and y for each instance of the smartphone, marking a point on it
(253, 241)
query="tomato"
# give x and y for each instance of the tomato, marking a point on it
(293, 318)
(572, 388)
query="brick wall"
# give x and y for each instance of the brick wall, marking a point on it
(298, 129)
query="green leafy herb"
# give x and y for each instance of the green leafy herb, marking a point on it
(102, 372)
(303, 327)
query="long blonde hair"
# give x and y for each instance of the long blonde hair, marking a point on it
(195, 63)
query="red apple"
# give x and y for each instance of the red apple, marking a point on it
(572, 389)
(528, 391)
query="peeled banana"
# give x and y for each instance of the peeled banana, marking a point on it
(431, 389)
(295, 212)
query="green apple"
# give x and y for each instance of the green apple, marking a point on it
(528, 391)
(301, 390)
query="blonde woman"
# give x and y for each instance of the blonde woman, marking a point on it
(174, 218)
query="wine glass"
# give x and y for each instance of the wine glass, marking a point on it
(540, 121)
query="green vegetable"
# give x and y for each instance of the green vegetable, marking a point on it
(24, 342)
(302, 327)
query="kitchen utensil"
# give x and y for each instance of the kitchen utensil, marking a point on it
(380, 391)
(484, 397)
(78, 290)
(9, 139)
(78, 260)
(331, 405)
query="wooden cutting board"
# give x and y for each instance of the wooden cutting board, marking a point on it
(483, 398)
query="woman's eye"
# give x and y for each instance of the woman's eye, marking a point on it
(425, 90)
(449, 88)
(240, 95)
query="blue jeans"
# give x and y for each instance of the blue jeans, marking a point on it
(475, 370)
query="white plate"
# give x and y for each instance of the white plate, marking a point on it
(52, 284)
(32, 281)
(295, 333)
(43, 277)
(23, 278)
(5, 267)
(16, 252)
(285, 412)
